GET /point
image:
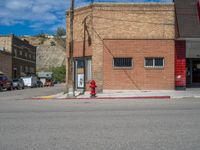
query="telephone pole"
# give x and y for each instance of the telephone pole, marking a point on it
(84, 59)
(70, 86)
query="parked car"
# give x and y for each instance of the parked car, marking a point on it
(18, 84)
(39, 83)
(5, 83)
(30, 81)
(56, 82)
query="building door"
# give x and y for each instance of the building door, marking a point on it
(193, 72)
(79, 72)
(196, 71)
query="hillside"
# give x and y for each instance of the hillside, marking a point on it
(50, 52)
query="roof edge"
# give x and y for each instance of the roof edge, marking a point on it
(105, 4)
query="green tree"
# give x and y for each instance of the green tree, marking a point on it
(59, 73)
(60, 32)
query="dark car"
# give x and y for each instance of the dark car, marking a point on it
(18, 84)
(5, 83)
(39, 83)
(56, 82)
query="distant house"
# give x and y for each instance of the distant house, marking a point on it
(22, 57)
(50, 36)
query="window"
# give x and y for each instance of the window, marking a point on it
(20, 53)
(15, 52)
(30, 56)
(31, 70)
(154, 62)
(122, 62)
(88, 69)
(26, 69)
(21, 68)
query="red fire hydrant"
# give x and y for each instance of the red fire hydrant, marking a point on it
(93, 88)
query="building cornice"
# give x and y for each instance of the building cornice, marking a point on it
(131, 6)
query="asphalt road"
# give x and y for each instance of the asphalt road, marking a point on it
(99, 124)
(28, 93)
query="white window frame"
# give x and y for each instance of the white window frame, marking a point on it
(154, 58)
(88, 69)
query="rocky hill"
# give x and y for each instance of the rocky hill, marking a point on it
(50, 52)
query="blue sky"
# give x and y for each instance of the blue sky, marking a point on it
(32, 17)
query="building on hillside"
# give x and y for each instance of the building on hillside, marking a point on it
(127, 46)
(23, 56)
(187, 44)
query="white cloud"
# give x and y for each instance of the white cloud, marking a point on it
(41, 11)
(9, 22)
(17, 4)
(38, 9)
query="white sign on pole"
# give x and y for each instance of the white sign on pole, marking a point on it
(80, 80)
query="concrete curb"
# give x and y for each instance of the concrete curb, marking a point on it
(100, 98)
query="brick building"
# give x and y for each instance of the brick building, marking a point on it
(127, 46)
(5, 63)
(20, 57)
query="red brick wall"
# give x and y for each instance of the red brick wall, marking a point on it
(180, 64)
(78, 49)
(6, 64)
(138, 77)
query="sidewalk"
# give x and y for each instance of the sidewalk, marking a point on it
(132, 94)
(189, 93)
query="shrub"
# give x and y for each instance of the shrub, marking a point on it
(59, 73)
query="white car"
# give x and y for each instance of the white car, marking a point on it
(30, 81)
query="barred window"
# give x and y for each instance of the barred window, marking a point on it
(123, 62)
(154, 62)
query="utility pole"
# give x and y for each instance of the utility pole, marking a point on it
(84, 59)
(70, 86)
